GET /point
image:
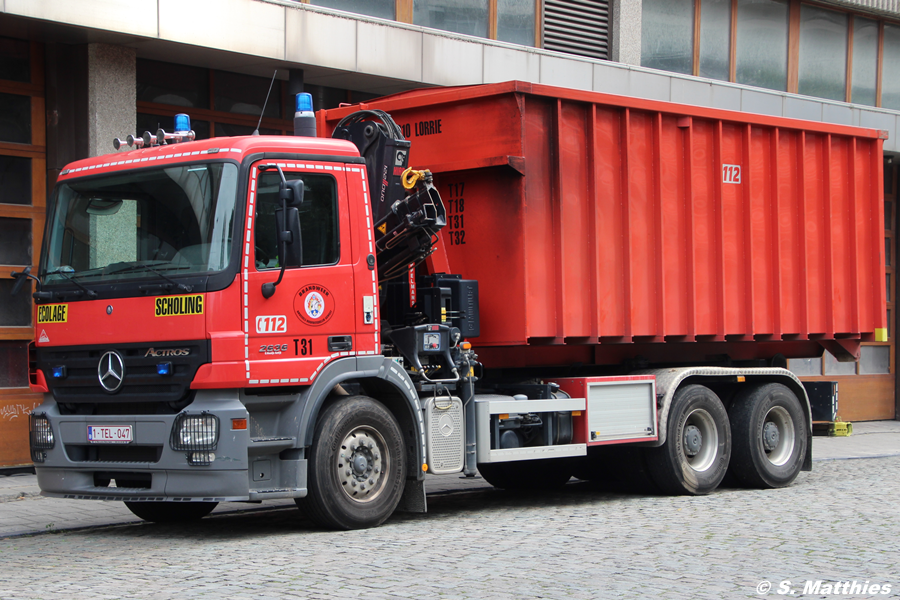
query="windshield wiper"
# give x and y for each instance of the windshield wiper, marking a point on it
(65, 273)
(148, 267)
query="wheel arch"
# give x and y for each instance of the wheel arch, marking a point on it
(724, 380)
(384, 381)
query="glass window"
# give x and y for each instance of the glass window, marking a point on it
(168, 83)
(833, 367)
(15, 180)
(865, 61)
(328, 97)
(805, 366)
(13, 364)
(318, 220)
(245, 94)
(715, 38)
(875, 359)
(374, 8)
(148, 122)
(823, 53)
(15, 311)
(667, 35)
(229, 129)
(888, 206)
(469, 17)
(15, 241)
(762, 43)
(887, 286)
(515, 21)
(15, 119)
(890, 78)
(176, 220)
(15, 60)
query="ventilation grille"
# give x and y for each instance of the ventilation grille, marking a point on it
(577, 27)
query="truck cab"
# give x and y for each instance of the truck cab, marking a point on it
(153, 327)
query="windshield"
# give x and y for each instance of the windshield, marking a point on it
(149, 223)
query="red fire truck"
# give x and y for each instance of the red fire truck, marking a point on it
(565, 279)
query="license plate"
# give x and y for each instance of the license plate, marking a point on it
(110, 434)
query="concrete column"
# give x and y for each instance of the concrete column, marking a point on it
(625, 37)
(112, 96)
(112, 113)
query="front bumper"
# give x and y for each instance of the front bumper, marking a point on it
(147, 469)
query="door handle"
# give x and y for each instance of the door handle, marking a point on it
(340, 343)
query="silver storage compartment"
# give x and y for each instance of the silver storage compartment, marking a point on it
(621, 410)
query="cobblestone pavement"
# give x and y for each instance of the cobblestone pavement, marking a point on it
(838, 523)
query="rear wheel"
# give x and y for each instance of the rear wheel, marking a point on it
(770, 436)
(527, 474)
(695, 457)
(357, 466)
(171, 512)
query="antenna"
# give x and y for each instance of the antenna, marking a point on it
(271, 83)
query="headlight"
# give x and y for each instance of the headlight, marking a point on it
(40, 434)
(195, 432)
(40, 437)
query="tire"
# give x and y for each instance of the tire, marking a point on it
(695, 457)
(171, 512)
(546, 474)
(357, 465)
(770, 436)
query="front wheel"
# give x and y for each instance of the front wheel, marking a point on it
(770, 436)
(171, 512)
(357, 466)
(695, 457)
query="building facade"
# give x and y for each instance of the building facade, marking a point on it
(75, 75)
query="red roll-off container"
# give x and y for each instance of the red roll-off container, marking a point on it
(604, 227)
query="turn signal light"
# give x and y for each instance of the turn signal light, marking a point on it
(238, 424)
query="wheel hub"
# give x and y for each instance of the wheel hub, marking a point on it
(360, 464)
(693, 440)
(770, 436)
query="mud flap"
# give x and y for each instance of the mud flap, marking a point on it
(413, 498)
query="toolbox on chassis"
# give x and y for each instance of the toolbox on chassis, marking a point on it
(252, 318)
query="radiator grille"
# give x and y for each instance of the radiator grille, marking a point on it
(120, 453)
(577, 27)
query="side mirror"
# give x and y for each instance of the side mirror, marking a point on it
(291, 253)
(287, 224)
(291, 191)
(20, 278)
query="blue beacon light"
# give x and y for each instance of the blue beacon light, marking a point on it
(182, 122)
(304, 117)
(59, 372)
(304, 103)
(164, 368)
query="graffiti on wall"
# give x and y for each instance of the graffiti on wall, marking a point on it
(11, 411)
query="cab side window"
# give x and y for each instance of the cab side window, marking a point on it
(318, 220)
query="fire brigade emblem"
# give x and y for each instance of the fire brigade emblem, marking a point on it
(314, 304)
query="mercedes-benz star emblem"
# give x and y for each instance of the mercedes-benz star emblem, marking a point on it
(111, 371)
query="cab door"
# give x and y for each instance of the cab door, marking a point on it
(310, 320)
